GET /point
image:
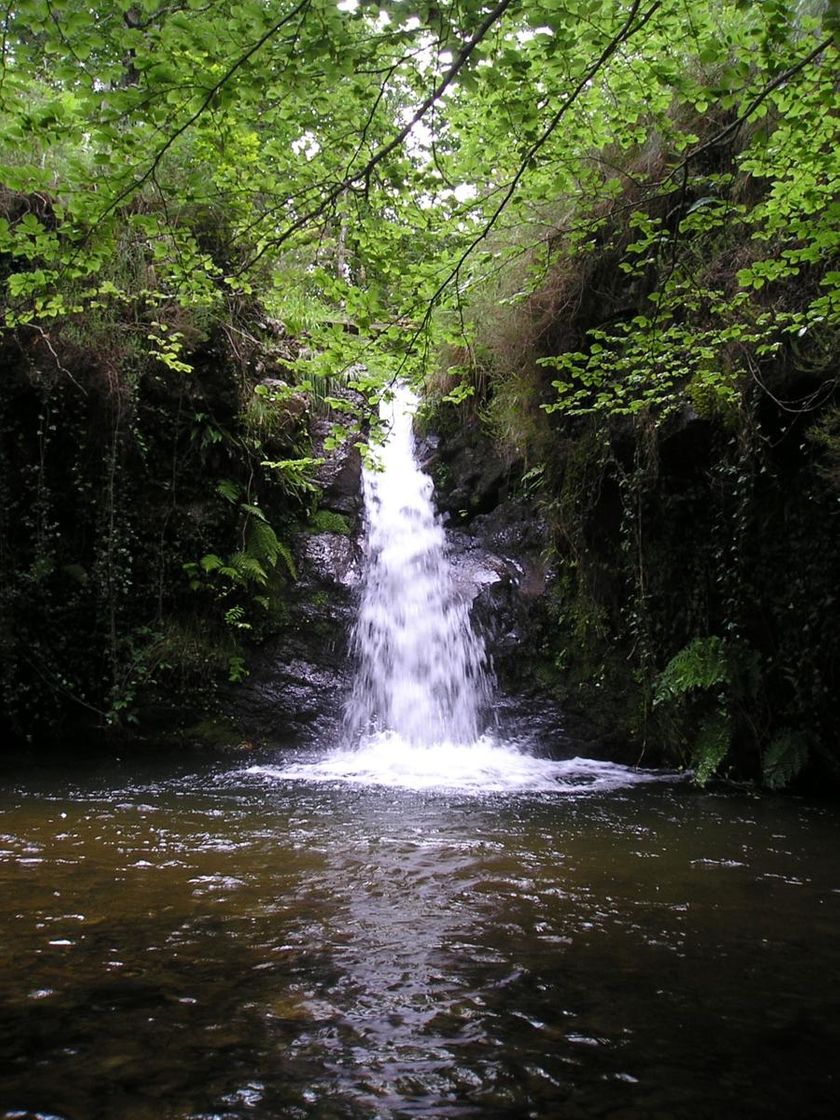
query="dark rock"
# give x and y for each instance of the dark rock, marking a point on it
(290, 699)
(340, 475)
(330, 560)
(427, 449)
(298, 682)
(470, 478)
(498, 549)
(498, 566)
(498, 560)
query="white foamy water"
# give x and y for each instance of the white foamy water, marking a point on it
(483, 766)
(422, 669)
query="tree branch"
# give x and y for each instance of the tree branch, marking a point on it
(628, 29)
(757, 101)
(211, 93)
(364, 173)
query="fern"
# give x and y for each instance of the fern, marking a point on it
(285, 554)
(784, 759)
(237, 670)
(211, 562)
(702, 663)
(296, 473)
(263, 543)
(235, 617)
(247, 571)
(249, 568)
(711, 746)
(228, 489)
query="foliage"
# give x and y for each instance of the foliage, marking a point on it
(704, 664)
(372, 162)
(711, 746)
(295, 473)
(826, 435)
(785, 757)
(247, 578)
(219, 220)
(670, 301)
(123, 468)
(701, 664)
(273, 412)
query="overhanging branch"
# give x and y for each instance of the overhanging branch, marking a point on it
(630, 27)
(363, 174)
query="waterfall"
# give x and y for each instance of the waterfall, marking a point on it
(413, 720)
(422, 668)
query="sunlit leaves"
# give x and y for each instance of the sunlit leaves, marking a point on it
(275, 125)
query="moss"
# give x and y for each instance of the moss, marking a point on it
(328, 521)
(216, 734)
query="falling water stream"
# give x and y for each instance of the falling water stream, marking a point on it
(422, 921)
(423, 686)
(422, 670)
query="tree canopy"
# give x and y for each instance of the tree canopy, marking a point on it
(375, 163)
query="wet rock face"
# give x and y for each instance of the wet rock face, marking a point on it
(498, 563)
(340, 475)
(331, 561)
(498, 549)
(507, 592)
(289, 700)
(470, 478)
(299, 682)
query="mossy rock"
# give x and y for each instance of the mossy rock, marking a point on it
(216, 734)
(328, 521)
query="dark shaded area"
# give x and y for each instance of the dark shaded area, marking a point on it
(686, 545)
(150, 557)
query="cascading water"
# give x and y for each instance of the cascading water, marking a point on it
(422, 687)
(422, 669)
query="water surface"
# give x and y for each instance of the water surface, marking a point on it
(234, 943)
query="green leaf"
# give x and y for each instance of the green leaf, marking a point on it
(784, 758)
(711, 746)
(702, 663)
(229, 490)
(249, 568)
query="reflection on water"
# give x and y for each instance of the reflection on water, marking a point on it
(238, 945)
